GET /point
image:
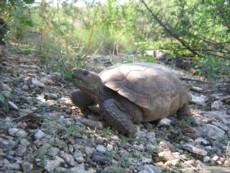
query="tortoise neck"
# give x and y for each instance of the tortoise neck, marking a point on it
(97, 93)
(101, 94)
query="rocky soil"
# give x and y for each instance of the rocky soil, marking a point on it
(42, 131)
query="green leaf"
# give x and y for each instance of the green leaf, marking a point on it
(29, 1)
(68, 75)
(2, 98)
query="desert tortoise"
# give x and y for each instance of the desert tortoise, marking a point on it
(131, 93)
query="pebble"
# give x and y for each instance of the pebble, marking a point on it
(167, 145)
(206, 159)
(166, 155)
(5, 87)
(202, 141)
(27, 167)
(195, 150)
(77, 169)
(101, 148)
(220, 125)
(150, 147)
(149, 169)
(109, 147)
(21, 149)
(17, 132)
(165, 122)
(7, 144)
(90, 123)
(227, 162)
(100, 158)
(24, 142)
(7, 94)
(216, 105)
(50, 165)
(174, 162)
(139, 147)
(53, 151)
(68, 158)
(39, 134)
(13, 106)
(78, 156)
(199, 100)
(145, 160)
(212, 132)
(89, 151)
(215, 169)
(36, 82)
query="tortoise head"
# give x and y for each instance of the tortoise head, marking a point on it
(86, 80)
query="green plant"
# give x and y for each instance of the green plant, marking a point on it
(3, 103)
(213, 67)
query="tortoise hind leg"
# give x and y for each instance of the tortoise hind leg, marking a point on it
(117, 118)
(80, 99)
(184, 112)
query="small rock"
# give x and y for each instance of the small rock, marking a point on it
(150, 147)
(226, 99)
(36, 82)
(101, 148)
(212, 132)
(216, 105)
(89, 151)
(206, 159)
(227, 162)
(21, 149)
(24, 142)
(39, 134)
(78, 156)
(53, 151)
(195, 150)
(7, 94)
(220, 125)
(215, 169)
(215, 158)
(12, 106)
(5, 87)
(218, 115)
(189, 163)
(165, 122)
(78, 169)
(174, 162)
(109, 169)
(202, 141)
(151, 136)
(27, 167)
(7, 144)
(166, 155)
(13, 166)
(149, 169)
(196, 89)
(50, 165)
(90, 123)
(139, 147)
(109, 147)
(68, 159)
(167, 145)
(199, 100)
(145, 160)
(100, 158)
(17, 132)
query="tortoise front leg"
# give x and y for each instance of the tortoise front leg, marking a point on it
(118, 119)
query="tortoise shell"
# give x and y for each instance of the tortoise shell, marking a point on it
(151, 86)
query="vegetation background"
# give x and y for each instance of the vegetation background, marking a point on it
(63, 33)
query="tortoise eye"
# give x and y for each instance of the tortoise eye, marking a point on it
(85, 73)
